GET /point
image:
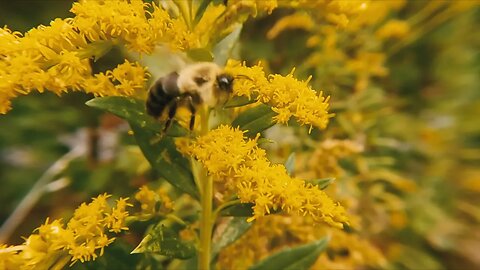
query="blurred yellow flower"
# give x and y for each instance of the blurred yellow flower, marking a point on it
(393, 29)
(149, 200)
(366, 65)
(267, 235)
(294, 21)
(243, 168)
(324, 161)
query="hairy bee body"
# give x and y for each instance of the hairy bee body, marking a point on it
(196, 84)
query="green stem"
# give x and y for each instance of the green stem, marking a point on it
(428, 26)
(206, 225)
(427, 11)
(184, 9)
(206, 200)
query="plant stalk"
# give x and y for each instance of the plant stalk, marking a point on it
(206, 200)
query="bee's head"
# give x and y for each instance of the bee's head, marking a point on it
(225, 82)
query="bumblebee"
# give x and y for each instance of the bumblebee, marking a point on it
(194, 85)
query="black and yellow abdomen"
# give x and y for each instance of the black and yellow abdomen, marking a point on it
(162, 94)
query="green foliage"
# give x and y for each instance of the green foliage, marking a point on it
(235, 228)
(159, 149)
(321, 183)
(296, 258)
(290, 164)
(164, 241)
(255, 120)
(238, 210)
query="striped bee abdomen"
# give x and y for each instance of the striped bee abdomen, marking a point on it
(161, 94)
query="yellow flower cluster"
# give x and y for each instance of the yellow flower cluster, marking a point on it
(141, 26)
(288, 96)
(147, 198)
(83, 239)
(335, 12)
(150, 200)
(350, 251)
(242, 167)
(324, 161)
(347, 251)
(55, 58)
(352, 23)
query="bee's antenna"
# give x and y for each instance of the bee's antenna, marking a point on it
(243, 77)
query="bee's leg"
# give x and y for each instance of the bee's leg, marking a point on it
(191, 107)
(171, 113)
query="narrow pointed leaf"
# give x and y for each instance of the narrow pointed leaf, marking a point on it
(164, 241)
(296, 258)
(255, 120)
(235, 228)
(165, 159)
(238, 210)
(201, 9)
(264, 141)
(290, 164)
(238, 101)
(200, 55)
(321, 183)
(133, 110)
(223, 48)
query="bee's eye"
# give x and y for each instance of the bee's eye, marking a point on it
(200, 80)
(225, 82)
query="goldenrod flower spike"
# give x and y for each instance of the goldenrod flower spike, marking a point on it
(287, 96)
(82, 239)
(242, 167)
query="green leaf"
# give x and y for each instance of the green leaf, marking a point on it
(297, 258)
(238, 101)
(238, 210)
(224, 48)
(290, 164)
(165, 159)
(255, 120)
(164, 241)
(133, 110)
(235, 228)
(321, 183)
(265, 141)
(200, 55)
(201, 9)
(188, 264)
